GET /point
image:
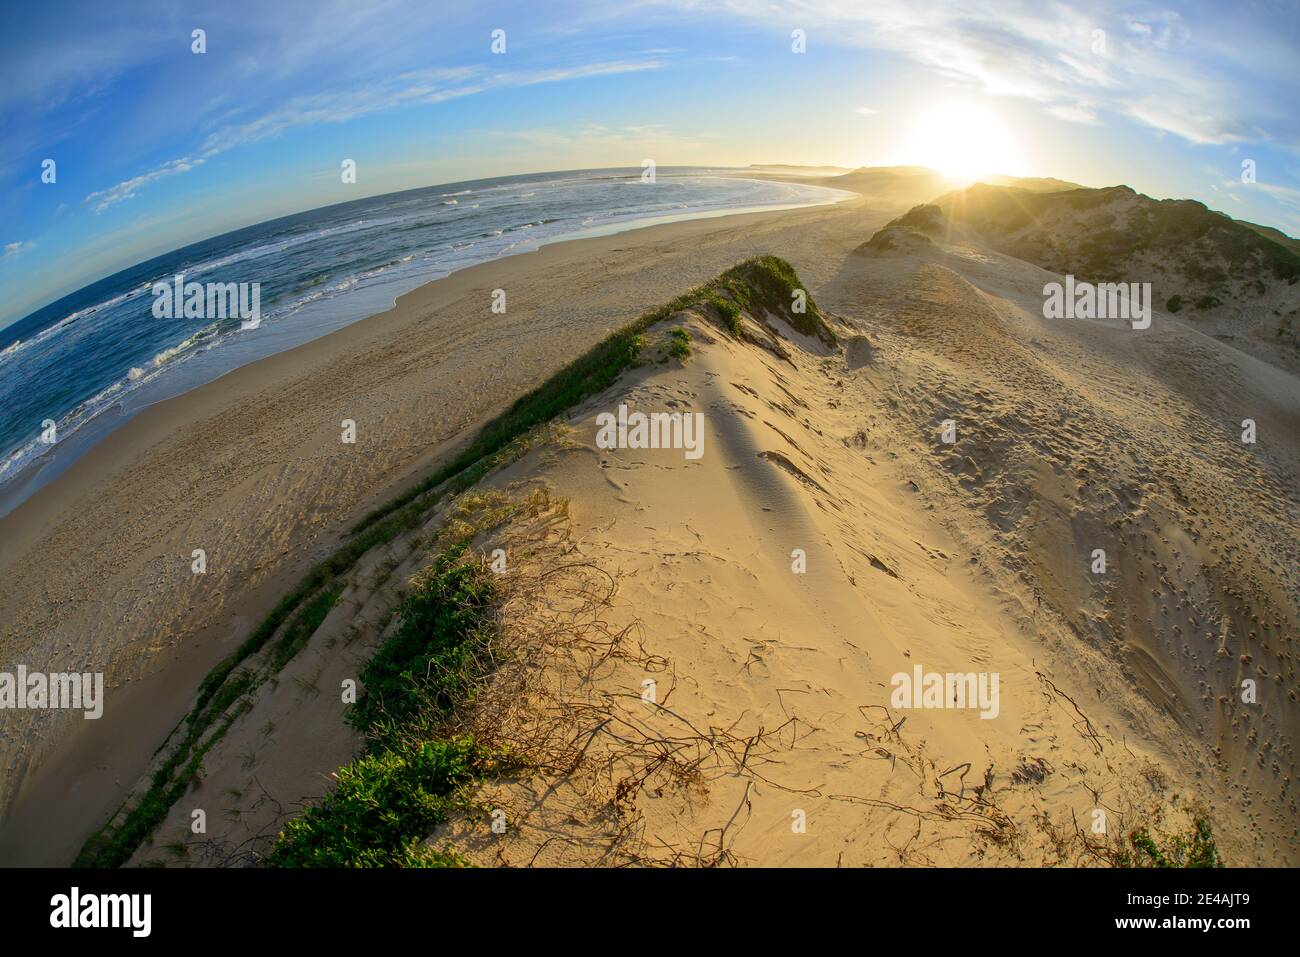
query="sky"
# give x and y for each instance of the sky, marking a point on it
(155, 146)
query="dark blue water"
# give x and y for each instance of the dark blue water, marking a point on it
(96, 356)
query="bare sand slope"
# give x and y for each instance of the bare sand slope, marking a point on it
(1119, 691)
(1086, 435)
(770, 736)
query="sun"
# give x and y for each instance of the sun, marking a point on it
(962, 141)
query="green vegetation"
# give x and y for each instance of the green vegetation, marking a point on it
(1196, 848)
(1208, 247)
(762, 285)
(768, 284)
(728, 312)
(1174, 304)
(410, 779)
(679, 344)
(434, 656)
(385, 803)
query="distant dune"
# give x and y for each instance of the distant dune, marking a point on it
(795, 169)
(1237, 281)
(900, 186)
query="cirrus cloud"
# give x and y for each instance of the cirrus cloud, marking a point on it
(416, 88)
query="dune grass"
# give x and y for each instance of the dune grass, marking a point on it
(410, 777)
(679, 343)
(432, 659)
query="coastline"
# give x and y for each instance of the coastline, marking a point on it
(76, 442)
(249, 464)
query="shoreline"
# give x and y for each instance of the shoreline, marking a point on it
(150, 687)
(46, 469)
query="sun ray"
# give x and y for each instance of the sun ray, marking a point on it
(962, 141)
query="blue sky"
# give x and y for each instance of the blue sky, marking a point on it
(157, 146)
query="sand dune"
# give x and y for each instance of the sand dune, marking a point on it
(700, 654)
(1234, 280)
(829, 539)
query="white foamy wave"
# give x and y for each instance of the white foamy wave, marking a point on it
(86, 312)
(279, 245)
(83, 412)
(173, 351)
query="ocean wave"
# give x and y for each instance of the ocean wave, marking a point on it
(85, 312)
(172, 352)
(280, 245)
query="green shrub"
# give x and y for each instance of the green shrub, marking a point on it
(727, 311)
(767, 284)
(679, 344)
(383, 807)
(431, 659)
(1196, 848)
(387, 801)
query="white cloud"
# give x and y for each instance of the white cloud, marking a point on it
(13, 249)
(424, 87)
(104, 198)
(1287, 196)
(1152, 69)
(1073, 113)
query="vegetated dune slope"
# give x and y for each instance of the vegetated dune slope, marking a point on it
(1238, 282)
(747, 716)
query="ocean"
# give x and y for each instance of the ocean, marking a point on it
(91, 360)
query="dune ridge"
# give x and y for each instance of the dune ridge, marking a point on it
(770, 734)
